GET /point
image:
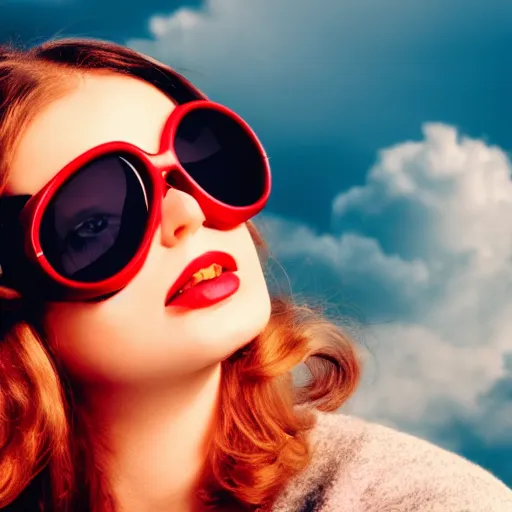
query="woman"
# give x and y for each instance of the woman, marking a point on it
(143, 365)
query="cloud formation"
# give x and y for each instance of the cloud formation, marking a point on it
(439, 289)
(267, 47)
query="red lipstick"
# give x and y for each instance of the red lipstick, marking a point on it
(209, 291)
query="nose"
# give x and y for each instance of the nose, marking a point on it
(181, 217)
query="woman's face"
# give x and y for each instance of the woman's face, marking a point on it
(132, 336)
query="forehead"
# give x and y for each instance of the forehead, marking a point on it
(101, 108)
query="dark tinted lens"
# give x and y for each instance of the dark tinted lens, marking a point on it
(220, 156)
(93, 226)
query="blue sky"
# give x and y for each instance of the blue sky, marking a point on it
(388, 128)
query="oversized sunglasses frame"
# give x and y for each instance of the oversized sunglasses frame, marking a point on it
(161, 171)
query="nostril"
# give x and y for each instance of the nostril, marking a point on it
(179, 231)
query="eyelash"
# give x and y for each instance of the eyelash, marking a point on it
(78, 242)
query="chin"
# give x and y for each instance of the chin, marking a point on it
(227, 329)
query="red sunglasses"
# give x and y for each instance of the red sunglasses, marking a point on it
(87, 233)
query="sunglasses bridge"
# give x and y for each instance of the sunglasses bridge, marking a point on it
(168, 170)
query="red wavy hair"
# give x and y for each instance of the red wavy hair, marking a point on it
(260, 439)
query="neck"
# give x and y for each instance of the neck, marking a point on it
(156, 438)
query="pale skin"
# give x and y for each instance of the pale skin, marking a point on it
(150, 374)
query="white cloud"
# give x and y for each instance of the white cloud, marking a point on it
(442, 358)
(269, 32)
(351, 258)
(236, 48)
(464, 183)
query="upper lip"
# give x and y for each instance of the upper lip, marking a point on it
(225, 260)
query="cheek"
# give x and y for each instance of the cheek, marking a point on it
(99, 343)
(251, 309)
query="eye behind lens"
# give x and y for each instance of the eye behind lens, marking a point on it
(221, 156)
(93, 226)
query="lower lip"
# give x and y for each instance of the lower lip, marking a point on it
(207, 293)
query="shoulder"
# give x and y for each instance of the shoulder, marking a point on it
(360, 466)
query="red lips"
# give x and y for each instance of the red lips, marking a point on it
(225, 260)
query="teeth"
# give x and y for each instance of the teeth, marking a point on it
(204, 274)
(207, 273)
